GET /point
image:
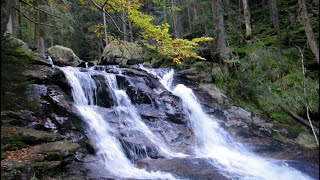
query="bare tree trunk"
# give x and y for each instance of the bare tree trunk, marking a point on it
(131, 32)
(219, 23)
(308, 29)
(189, 18)
(37, 29)
(165, 11)
(42, 46)
(304, 82)
(206, 29)
(124, 26)
(175, 20)
(275, 20)
(9, 25)
(15, 23)
(7, 7)
(246, 13)
(105, 28)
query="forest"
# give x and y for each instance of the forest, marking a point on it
(259, 55)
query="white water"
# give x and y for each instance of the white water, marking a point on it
(109, 148)
(50, 61)
(213, 142)
(124, 105)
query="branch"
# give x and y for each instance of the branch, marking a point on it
(40, 9)
(113, 21)
(300, 119)
(34, 20)
(123, 21)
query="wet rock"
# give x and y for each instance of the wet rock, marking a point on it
(147, 111)
(137, 90)
(138, 146)
(104, 98)
(85, 64)
(122, 53)
(190, 168)
(173, 108)
(63, 56)
(179, 137)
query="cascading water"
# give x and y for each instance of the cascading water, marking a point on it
(109, 148)
(124, 105)
(213, 142)
(50, 61)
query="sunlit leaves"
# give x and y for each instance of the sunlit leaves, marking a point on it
(155, 37)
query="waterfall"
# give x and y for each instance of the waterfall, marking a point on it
(124, 105)
(108, 146)
(50, 61)
(214, 143)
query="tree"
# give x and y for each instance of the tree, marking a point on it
(105, 27)
(155, 37)
(275, 19)
(247, 18)
(221, 34)
(308, 29)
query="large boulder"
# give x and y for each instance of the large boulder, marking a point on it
(203, 72)
(122, 53)
(63, 56)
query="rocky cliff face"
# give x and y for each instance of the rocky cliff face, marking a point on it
(52, 138)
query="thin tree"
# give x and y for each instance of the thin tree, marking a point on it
(308, 29)
(220, 28)
(105, 27)
(246, 12)
(273, 11)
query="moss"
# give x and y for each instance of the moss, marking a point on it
(279, 115)
(200, 66)
(14, 61)
(15, 141)
(293, 129)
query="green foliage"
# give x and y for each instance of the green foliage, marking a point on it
(267, 80)
(14, 60)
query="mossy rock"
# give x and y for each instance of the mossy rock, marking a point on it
(303, 139)
(122, 53)
(63, 56)
(58, 148)
(20, 136)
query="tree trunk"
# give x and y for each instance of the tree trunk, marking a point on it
(308, 29)
(7, 7)
(42, 46)
(246, 13)
(275, 19)
(15, 23)
(105, 28)
(37, 29)
(189, 18)
(124, 26)
(9, 25)
(165, 11)
(219, 24)
(131, 32)
(175, 20)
